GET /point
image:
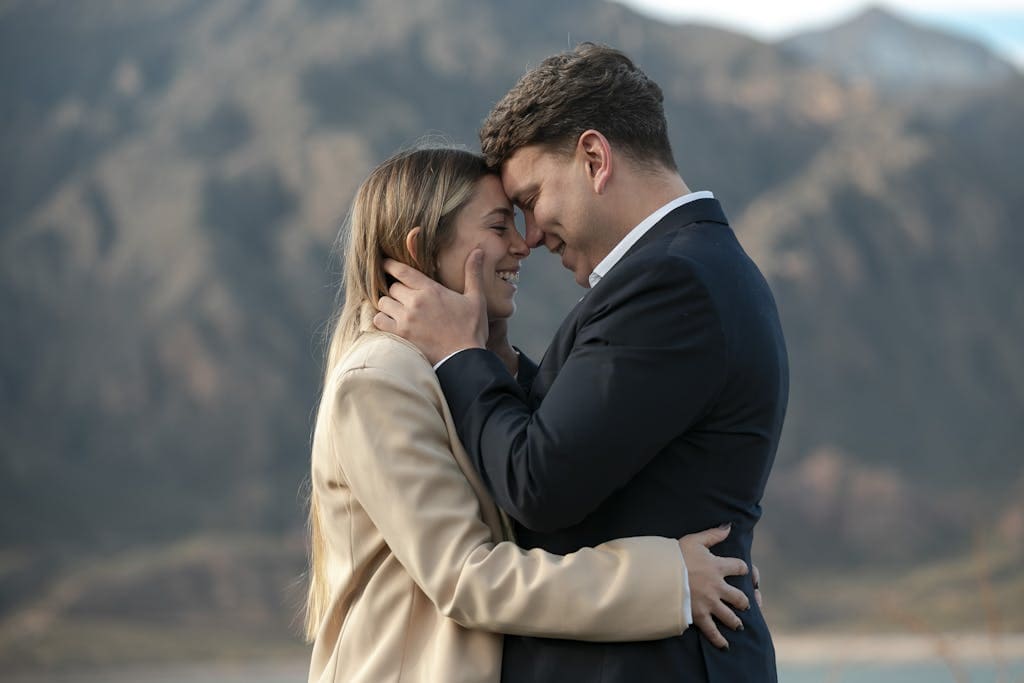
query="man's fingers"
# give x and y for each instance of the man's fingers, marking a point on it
(385, 323)
(390, 308)
(727, 616)
(474, 282)
(406, 274)
(707, 626)
(400, 292)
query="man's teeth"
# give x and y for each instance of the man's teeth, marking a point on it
(509, 276)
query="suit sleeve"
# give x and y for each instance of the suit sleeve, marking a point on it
(648, 361)
(527, 372)
(394, 453)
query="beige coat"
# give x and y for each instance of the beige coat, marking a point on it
(420, 582)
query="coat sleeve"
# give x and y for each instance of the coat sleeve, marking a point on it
(648, 361)
(393, 451)
(527, 372)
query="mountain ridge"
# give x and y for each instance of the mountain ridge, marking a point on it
(899, 53)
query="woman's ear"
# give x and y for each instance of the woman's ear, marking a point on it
(412, 243)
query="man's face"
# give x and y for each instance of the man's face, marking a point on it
(556, 197)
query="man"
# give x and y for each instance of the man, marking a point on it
(658, 407)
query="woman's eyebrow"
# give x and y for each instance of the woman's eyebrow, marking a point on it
(503, 211)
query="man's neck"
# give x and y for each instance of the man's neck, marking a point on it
(643, 193)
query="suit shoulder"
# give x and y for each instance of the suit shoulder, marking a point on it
(704, 251)
(656, 262)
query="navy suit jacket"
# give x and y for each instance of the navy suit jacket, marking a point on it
(656, 410)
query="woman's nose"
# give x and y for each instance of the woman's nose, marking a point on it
(518, 246)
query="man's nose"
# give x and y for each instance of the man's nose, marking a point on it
(533, 233)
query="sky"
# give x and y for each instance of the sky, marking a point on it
(998, 23)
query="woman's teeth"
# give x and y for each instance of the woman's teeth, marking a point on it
(509, 276)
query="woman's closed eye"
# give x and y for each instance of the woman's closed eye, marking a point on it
(503, 227)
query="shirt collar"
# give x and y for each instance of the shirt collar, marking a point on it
(631, 238)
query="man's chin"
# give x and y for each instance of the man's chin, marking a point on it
(582, 279)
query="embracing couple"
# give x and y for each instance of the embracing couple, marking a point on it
(477, 517)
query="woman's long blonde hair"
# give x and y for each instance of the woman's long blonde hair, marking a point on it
(423, 187)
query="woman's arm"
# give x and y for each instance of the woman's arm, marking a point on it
(394, 451)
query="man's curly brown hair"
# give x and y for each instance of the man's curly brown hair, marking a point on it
(590, 87)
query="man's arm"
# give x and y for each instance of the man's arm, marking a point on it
(647, 363)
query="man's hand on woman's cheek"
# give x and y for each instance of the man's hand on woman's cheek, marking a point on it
(436, 319)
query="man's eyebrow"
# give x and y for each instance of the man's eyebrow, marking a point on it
(519, 198)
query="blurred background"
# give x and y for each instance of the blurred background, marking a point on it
(174, 174)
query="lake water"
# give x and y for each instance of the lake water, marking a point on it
(295, 672)
(902, 673)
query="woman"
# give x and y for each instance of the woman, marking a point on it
(411, 573)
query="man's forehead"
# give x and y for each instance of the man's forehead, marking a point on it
(512, 180)
(517, 171)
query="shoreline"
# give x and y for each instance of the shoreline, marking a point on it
(898, 648)
(794, 651)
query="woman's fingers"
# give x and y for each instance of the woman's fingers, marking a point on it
(735, 597)
(725, 615)
(731, 566)
(710, 630)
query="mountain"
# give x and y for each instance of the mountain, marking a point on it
(175, 176)
(896, 54)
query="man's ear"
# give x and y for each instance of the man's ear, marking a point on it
(412, 243)
(595, 152)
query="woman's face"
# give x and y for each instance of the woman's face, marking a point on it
(486, 222)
